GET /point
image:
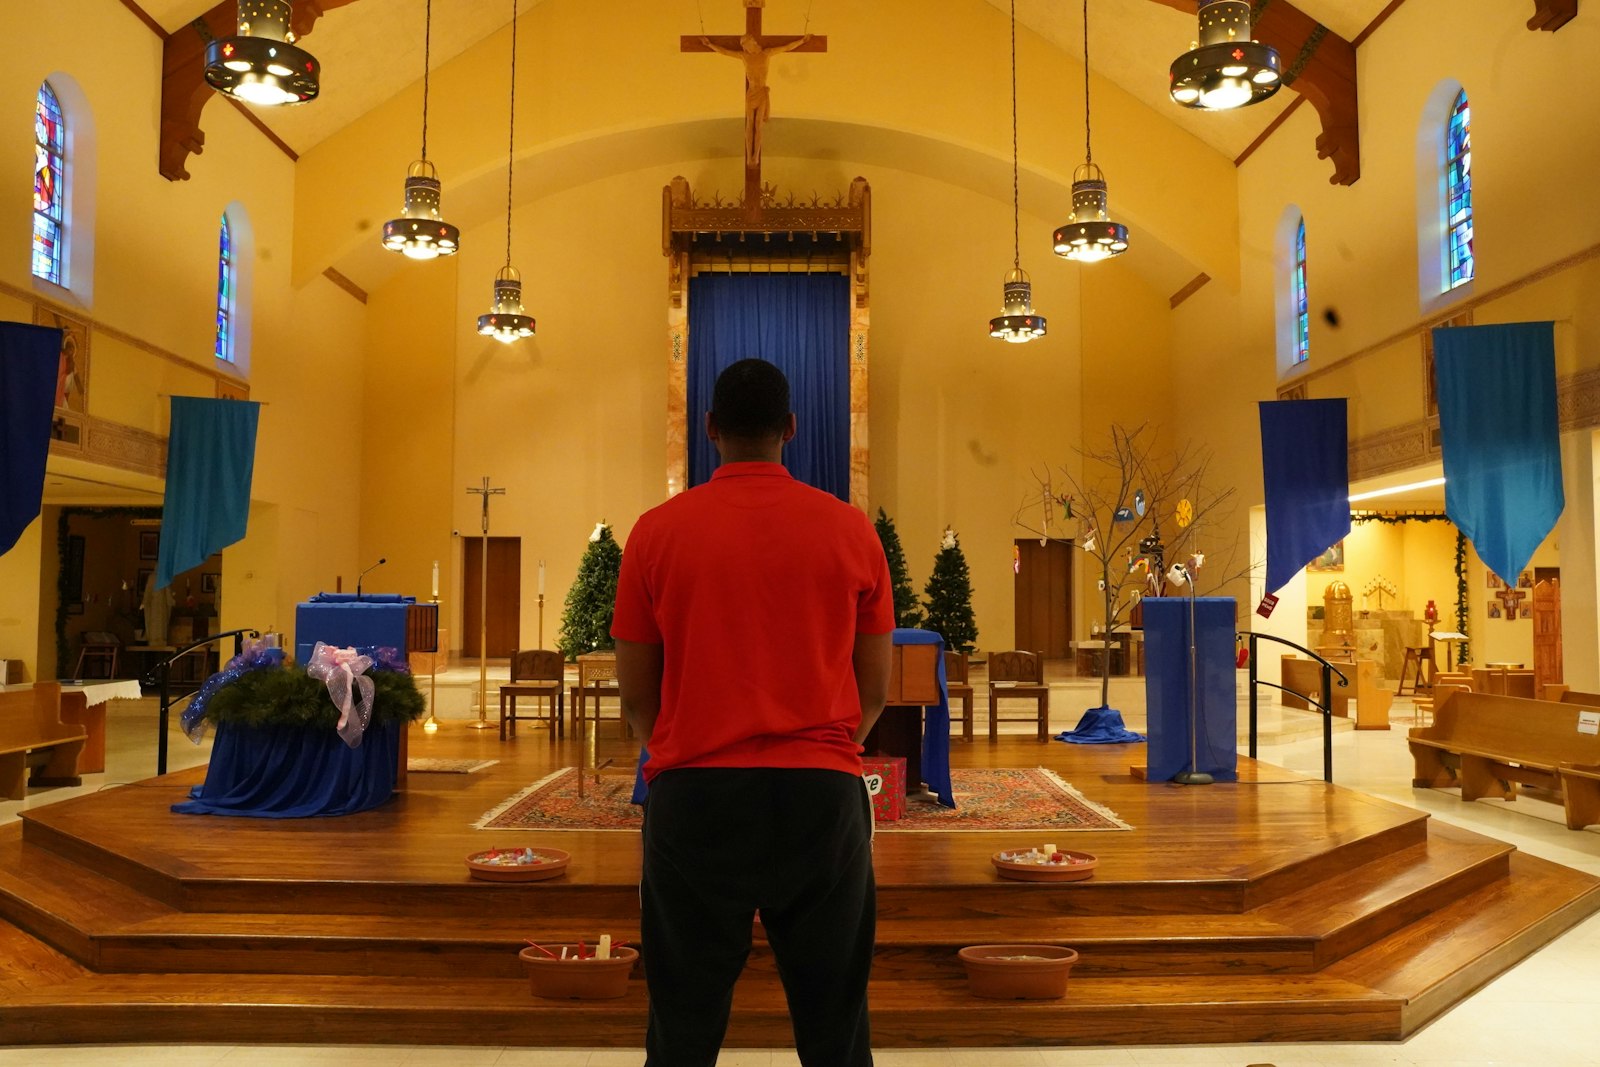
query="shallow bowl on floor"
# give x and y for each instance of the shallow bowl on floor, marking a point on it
(1082, 866)
(1018, 972)
(518, 864)
(575, 979)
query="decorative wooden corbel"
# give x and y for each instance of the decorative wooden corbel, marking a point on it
(184, 91)
(1319, 65)
(1551, 15)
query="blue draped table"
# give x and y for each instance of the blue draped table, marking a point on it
(284, 772)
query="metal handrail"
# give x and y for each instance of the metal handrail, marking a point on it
(161, 674)
(1328, 670)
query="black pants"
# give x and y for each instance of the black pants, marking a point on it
(720, 843)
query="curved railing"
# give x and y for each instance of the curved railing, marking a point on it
(1328, 671)
(161, 675)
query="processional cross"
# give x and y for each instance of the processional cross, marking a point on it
(483, 604)
(755, 50)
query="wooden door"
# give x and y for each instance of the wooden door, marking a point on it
(1043, 597)
(1547, 666)
(505, 596)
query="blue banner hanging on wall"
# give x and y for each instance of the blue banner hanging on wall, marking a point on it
(1501, 439)
(29, 359)
(211, 458)
(1305, 465)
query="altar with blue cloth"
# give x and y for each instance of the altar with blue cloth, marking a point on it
(907, 689)
(375, 620)
(287, 772)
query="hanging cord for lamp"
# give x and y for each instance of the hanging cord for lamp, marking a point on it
(1016, 226)
(427, 35)
(1088, 150)
(511, 136)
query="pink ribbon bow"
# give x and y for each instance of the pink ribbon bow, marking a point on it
(343, 671)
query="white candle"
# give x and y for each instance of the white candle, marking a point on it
(436, 579)
(541, 577)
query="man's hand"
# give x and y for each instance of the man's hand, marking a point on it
(639, 684)
(872, 658)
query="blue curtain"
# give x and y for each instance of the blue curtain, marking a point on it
(211, 457)
(801, 322)
(1305, 466)
(29, 359)
(1501, 443)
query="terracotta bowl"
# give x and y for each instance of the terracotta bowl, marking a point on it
(552, 861)
(1035, 872)
(1018, 972)
(573, 979)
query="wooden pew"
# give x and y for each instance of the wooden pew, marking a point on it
(33, 735)
(1580, 789)
(1491, 743)
(1573, 696)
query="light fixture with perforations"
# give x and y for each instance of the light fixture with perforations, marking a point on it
(1017, 323)
(421, 232)
(506, 321)
(1089, 234)
(261, 63)
(1225, 69)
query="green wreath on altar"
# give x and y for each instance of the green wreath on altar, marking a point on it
(288, 696)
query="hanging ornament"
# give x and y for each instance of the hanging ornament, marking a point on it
(1123, 515)
(1185, 513)
(1088, 542)
(1066, 505)
(1138, 502)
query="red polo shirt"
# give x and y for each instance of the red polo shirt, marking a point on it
(756, 587)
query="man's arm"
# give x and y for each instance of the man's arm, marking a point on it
(871, 658)
(639, 684)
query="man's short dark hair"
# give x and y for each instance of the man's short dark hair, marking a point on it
(751, 400)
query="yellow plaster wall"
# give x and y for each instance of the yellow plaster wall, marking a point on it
(19, 598)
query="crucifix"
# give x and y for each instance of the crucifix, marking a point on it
(755, 50)
(1511, 597)
(483, 606)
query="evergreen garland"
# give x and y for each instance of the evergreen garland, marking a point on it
(907, 611)
(949, 592)
(1396, 518)
(586, 615)
(288, 696)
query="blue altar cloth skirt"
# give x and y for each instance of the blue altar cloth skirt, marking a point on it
(290, 773)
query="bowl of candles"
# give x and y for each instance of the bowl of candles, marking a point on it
(1044, 864)
(567, 971)
(518, 864)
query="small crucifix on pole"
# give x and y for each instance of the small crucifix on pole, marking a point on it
(483, 604)
(755, 50)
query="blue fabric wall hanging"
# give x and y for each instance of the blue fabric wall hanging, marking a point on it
(1501, 440)
(1305, 465)
(211, 458)
(29, 358)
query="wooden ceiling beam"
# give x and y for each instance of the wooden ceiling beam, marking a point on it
(1551, 15)
(184, 91)
(1320, 66)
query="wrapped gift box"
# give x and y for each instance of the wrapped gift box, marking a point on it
(889, 775)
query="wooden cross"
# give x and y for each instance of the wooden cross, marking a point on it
(1511, 597)
(755, 50)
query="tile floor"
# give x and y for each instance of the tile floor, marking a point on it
(1541, 1013)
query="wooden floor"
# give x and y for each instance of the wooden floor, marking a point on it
(1276, 909)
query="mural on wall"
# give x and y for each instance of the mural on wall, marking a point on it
(72, 376)
(1331, 560)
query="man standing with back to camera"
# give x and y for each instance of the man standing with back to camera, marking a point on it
(753, 621)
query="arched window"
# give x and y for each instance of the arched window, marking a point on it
(225, 294)
(1302, 312)
(1458, 257)
(49, 188)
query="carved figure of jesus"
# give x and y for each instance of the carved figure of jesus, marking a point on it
(757, 96)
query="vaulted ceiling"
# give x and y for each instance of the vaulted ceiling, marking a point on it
(369, 51)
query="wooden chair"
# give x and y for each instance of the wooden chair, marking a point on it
(1422, 660)
(956, 684)
(597, 678)
(537, 673)
(1018, 676)
(99, 650)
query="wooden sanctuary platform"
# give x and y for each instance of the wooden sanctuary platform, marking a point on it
(1277, 909)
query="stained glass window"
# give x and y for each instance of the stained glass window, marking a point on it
(49, 187)
(1302, 311)
(1458, 192)
(225, 294)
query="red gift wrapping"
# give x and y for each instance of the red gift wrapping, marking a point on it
(889, 801)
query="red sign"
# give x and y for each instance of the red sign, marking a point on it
(1268, 602)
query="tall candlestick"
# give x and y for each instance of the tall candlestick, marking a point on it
(541, 577)
(436, 579)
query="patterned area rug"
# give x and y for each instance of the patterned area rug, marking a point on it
(429, 765)
(997, 799)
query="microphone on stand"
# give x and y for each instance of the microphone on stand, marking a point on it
(369, 570)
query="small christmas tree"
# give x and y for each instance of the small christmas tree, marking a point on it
(949, 591)
(907, 612)
(586, 616)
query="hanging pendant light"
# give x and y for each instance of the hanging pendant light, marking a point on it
(421, 232)
(261, 65)
(1225, 68)
(506, 322)
(1089, 234)
(1016, 323)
